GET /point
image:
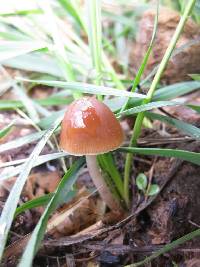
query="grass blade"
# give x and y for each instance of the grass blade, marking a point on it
(175, 90)
(6, 130)
(189, 129)
(29, 62)
(145, 59)
(72, 8)
(59, 50)
(10, 49)
(34, 203)
(40, 160)
(140, 117)
(4, 86)
(27, 102)
(21, 141)
(85, 88)
(10, 206)
(196, 108)
(63, 189)
(95, 36)
(19, 92)
(49, 101)
(21, 12)
(176, 52)
(195, 77)
(192, 157)
(45, 122)
(171, 91)
(148, 106)
(40, 201)
(108, 165)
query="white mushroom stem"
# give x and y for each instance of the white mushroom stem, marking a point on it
(101, 185)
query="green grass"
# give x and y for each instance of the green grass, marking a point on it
(73, 53)
(10, 206)
(154, 84)
(6, 130)
(167, 248)
(62, 191)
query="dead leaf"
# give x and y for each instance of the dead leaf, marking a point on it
(73, 216)
(192, 263)
(41, 183)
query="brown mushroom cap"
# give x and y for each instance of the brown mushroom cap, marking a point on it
(89, 127)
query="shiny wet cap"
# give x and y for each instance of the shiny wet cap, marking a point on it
(89, 127)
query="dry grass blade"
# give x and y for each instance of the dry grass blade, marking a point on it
(11, 203)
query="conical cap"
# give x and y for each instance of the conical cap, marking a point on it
(89, 127)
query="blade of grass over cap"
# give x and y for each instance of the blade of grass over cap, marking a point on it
(10, 206)
(161, 68)
(85, 88)
(58, 198)
(114, 104)
(192, 157)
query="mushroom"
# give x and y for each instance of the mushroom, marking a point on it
(90, 128)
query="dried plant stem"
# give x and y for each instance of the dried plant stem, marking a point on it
(140, 117)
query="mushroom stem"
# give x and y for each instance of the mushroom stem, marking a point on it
(101, 185)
